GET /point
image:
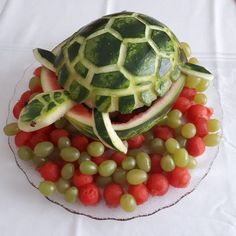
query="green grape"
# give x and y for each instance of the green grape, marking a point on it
(200, 98)
(174, 114)
(61, 123)
(133, 152)
(107, 168)
(38, 161)
(63, 142)
(192, 163)
(171, 145)
(47, 188)
(95, 149)
(213, 125)
(167, 163)
(157, 146)
(62, 185)
(71, 194)
(55, 155)
(67, 171)
(43, 149)
(202, 86)
(11, 129)
(181, 140)
(127, 202)
(88, 168)
(188, 130)
(174, 123)
(136, 176)
(192, 82)
(70, 154)
(33, 82)
(102, 181)
(119, 176)
(193, 60)
(84, 156)
(181, 158)
(211, 140)
(33, 95)
(128, 163)
(25, 153)
(143, 161)
(186, 48)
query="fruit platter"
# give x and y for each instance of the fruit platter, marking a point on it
(116, 122)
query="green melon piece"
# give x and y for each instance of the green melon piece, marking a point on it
(147, 97)
(63, 75)
(103, 49)
(129, 27)
(197, 71)
(104, 131)
(78, 92)
(140, 59)
(162, 40)
(45, 57)
(136, 125)
(103, 103)
(126, 104)
(44, 109)
(110, 80)
(81, 70)
(73, 51)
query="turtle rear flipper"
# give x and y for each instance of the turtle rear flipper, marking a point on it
(45, 57)
(196, 70)
(44, 109)
(103, 129)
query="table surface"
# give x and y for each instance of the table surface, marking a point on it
(209, 27)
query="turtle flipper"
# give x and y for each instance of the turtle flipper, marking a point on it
(196, 70)
(44, 109)
(45, 57)
(103, 129)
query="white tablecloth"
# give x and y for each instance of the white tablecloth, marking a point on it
(210, 28)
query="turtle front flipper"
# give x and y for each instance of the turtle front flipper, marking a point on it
(196, 70)
(103, 129)
(44, 109)
(45, 57)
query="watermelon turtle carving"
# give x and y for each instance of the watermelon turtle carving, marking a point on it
(118, 63)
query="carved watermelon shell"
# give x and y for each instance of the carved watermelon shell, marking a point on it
(119, 62)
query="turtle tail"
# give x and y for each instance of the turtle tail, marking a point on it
(196, 70)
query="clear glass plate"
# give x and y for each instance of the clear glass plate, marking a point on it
(100, 211)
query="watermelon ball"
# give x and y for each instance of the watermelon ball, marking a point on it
(188, 93)
(201, 126)
(80, 142)
(37, 71)
(17, 108)
(89, 194)
(80, 179)
(58, 133)
(155, 163)
(112, 194)
(50, 171)
(157, 184)
(179, 177)
(195, 146)
(182, 104)
(118, 157)
(139, 192)
(22, 138)
(196, 111)
(25, 96)
(163, 132)
(136, 142)
(38, 137)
